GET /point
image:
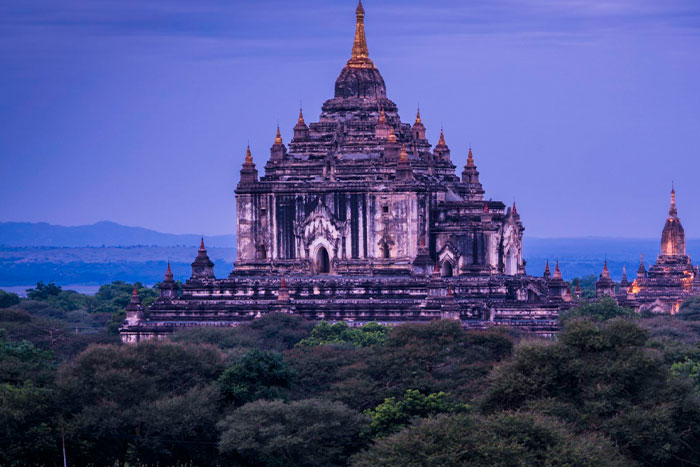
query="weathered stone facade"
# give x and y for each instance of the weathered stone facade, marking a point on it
(359, 218)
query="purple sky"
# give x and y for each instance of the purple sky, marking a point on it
(582, 111)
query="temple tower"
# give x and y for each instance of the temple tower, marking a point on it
(673, 235)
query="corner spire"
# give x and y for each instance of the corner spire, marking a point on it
(278, 136)
(360, 52)
(470, 156)
(404, 155)
(248, 156)
(441, 141)
(418, 120)
(201, 245)
(300, 121)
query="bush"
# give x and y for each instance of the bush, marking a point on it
(256, 375)
(308, 432)
(504, 439)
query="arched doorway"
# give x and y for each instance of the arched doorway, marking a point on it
(446, 269)
(323, 263)
(385, 251)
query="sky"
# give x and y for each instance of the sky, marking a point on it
(139, 112)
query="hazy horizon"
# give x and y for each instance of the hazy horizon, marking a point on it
(581, 112)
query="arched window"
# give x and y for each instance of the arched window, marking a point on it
(385, 251)
(323, 264)
(263, 252)
(446, 269)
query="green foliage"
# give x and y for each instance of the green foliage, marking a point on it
(392, 414)
(587, 285)
(275, 331)
(434, 357)
(54, 295)
(28, 425)
(22, 362)
(155, 400)
(602, 310)
(8, 299)
(340, 333)
(504, 439)
(688, 369)
(689, 310)
(302, 433)
(256, 375)
(601, 376)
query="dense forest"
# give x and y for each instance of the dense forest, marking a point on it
(613, 388)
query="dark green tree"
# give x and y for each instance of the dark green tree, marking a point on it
(601, 310)
(505, 439)
(689, 310)
(340, 333)
(602, 377)
(393, 414)
(256, 375)
(308, 432)
(8, 299)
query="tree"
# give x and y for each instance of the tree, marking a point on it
(434, 357)
(340, 333)
(602, 310)
(392, 414)
(308, 432)
(275, 331)
(256, 375)
(8, 299)
(688, 369)
(117, 399)
(689, 310)
(504, 439)
(602, 377)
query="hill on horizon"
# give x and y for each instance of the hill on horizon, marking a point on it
(106, 251)
(104, 233)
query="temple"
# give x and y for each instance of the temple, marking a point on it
(670, 281)
(360, 218)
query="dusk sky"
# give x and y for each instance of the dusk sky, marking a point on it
(139, 112)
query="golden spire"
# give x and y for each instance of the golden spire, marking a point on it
(470, 157)
(299, 122)
(360, 53)
(278, 137)
(382, 117)
(248, 160)
(392, 136)
(404, 155)
(515, 210)
(441, 141)
(557, 271)
(418, 120)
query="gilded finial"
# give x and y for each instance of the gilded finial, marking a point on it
(201, 244)
(515, 210)
(278, 136)
(300, 121)
(470, 156)
(360, 52)
(441, 141)
(418, 120)
(248, 156)
(557, 271)
(382, 116)
(404, 155)
(392, 136)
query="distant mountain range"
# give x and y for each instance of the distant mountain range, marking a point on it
(106, 251)
(41, 234)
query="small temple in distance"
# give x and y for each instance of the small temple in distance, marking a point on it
(670, 281)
